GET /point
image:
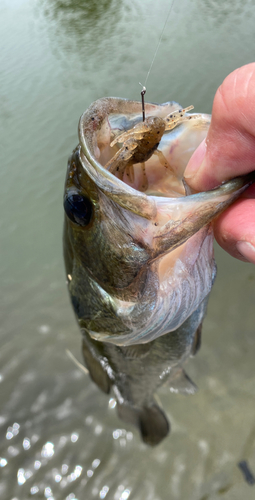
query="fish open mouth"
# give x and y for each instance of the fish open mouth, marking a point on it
(155, 188)
(162, 173)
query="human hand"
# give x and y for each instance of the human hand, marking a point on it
(228, 152)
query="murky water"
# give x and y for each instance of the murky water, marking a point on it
(60, 437)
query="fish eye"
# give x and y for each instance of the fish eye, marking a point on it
(78, 209)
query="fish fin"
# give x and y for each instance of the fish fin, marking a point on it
(150, 420)
(153, 424)
(180, 382)
(197, 341)
(97, 373)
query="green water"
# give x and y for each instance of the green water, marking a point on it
(67, 442)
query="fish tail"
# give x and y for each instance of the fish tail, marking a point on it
(150, 420)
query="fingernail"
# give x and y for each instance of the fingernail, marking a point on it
(247, 250)
(195, 161)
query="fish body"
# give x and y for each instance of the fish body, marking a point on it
(138, 248)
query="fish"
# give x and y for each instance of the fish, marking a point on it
(138, 251)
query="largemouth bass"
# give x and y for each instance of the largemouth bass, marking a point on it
(138, 247)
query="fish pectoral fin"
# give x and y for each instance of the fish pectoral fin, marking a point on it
(180, 382)
(96, 371)
(150, 420)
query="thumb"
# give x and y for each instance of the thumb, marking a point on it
(229, 149)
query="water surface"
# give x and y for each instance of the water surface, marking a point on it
(59, 436)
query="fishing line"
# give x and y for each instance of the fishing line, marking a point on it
(153, 59)
(159, 42)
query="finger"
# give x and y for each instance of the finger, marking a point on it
(229, 149)
(235, 229)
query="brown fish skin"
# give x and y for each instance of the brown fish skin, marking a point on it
(114, 241)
